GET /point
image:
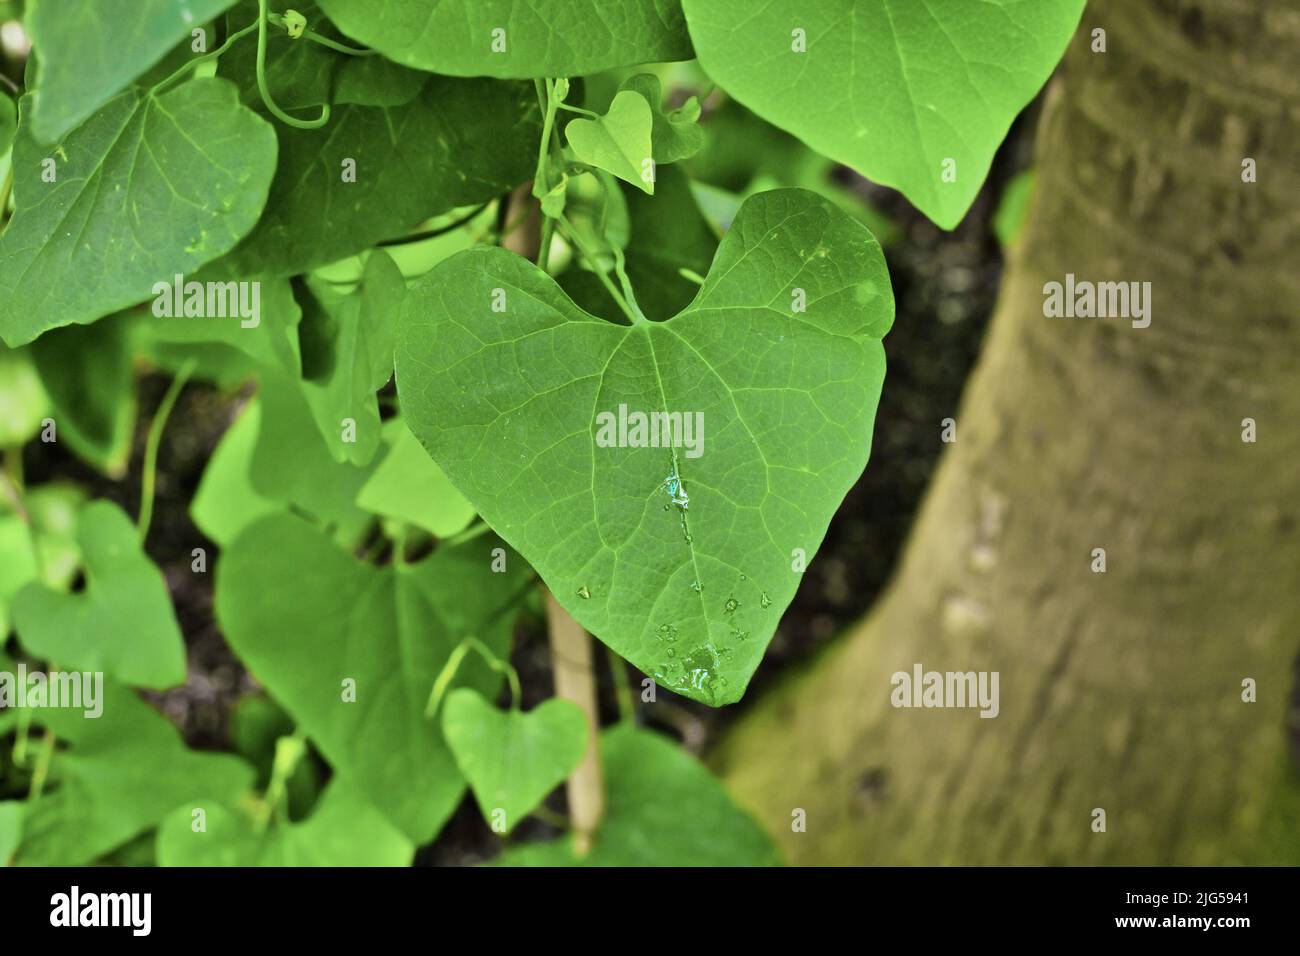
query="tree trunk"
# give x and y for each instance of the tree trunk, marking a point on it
(1119, 690)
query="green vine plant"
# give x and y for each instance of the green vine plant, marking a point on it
(483, 312)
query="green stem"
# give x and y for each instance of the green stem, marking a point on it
(464, 220)
(309, 34)
(575, 239)
(289, 752)
(42, 771)
(156, 427)
(265, 91)
(622, 686)
(230, 41)
(469, 534)
(444, 679)
(12, 476)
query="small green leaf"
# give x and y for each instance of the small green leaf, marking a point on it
(344, 829)
(356, 358)
(88, 375)
(52, 510)
(352, 651)
(122, 624)
(516, 38)
(1013, 207)
(226, 501)
(915, 95)
(681, 560)
(293, 465)
(677, 134)
(512, 759)
(618, 142)
(89, 50)
(117, 775)
(269, 338)
(149, 187)
(662, 808)
(407, 486)
(23, 399)
(667, 233)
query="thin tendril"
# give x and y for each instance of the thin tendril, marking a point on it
(453, 664)
(230, 41)
(265, 91)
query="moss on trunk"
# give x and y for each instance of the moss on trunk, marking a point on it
(1119, 690)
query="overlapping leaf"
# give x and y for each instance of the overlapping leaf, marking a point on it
(681, 559)
(122, 624)
(662, 808)
(89, 50)
(457, 143)
(149, 187)
(344, 829)
(516, 38)
(897, 89)
(306, 617)
(512, 759)
(120, 774)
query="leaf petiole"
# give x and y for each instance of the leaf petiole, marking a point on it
(265, 91)
(444, 678)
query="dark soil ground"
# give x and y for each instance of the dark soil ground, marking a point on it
(945, 285)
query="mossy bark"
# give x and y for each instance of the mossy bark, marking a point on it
(1119, 690)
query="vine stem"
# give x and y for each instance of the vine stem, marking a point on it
(265, 90)
(156, 427)
(443, 681)
(575, 681)
(230, 41)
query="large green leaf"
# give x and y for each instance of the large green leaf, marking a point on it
(512, 759)
(459, 142)
(148, 188)
(681, 563)
(89, 50)
(305, 617)
(541, 37)
(344, 829)
(662, 808)
(893, 88)
(120, 774)
(122, 624)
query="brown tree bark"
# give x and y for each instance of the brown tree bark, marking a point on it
(1119, 690)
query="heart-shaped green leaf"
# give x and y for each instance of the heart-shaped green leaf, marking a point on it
(512, 759)
(662, 808)
(915, 94)
(147, 188)
(88, 50)
(681, 559)
(677, 134)
(516, 38)
(352, 650)
(618, 142)
(344, 829)
(122, 624)
(118, 775)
